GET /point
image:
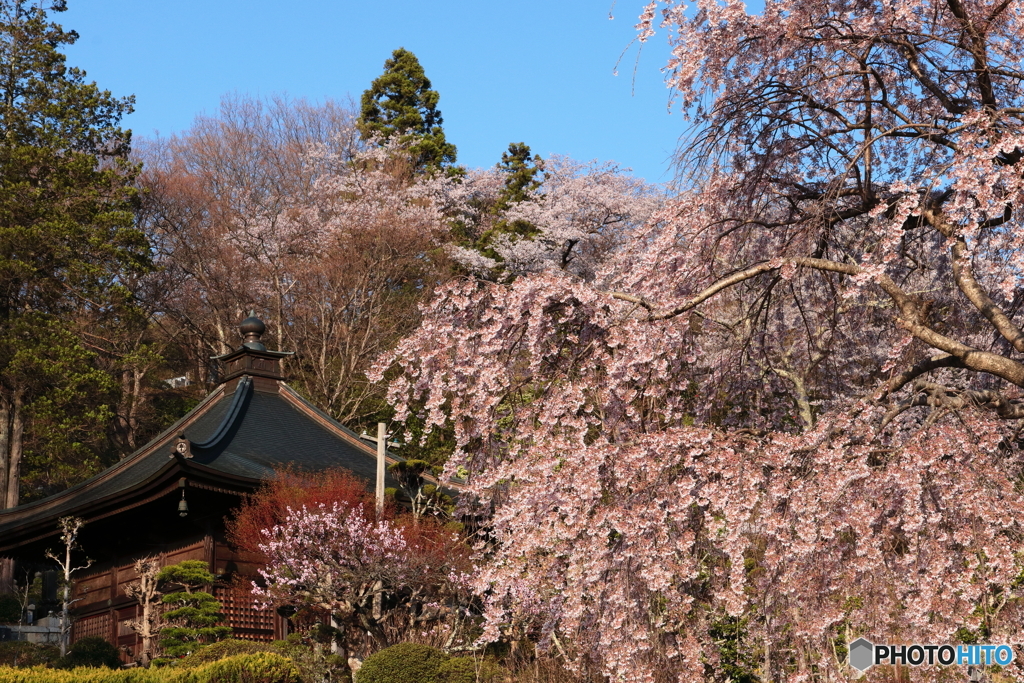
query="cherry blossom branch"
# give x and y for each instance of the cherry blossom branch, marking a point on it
(913, 313)
(963, 274)
(920, 368)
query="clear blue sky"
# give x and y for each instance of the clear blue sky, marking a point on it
(539, 72)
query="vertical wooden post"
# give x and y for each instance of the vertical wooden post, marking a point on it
(381, 446)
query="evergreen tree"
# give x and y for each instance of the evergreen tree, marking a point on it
(523, 175)
(400, 102)
(67, 240)
(194, 615)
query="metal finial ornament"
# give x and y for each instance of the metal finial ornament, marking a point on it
(252, 329)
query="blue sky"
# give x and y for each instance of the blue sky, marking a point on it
(539, 72)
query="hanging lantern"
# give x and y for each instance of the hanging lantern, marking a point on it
(183, 505)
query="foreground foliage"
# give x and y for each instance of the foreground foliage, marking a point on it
(253, 668)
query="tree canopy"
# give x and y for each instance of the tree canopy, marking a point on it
(68, 244)
(400, 102)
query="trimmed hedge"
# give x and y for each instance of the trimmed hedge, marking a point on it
(40, 674)
(403, 663)
(231, 647)
(262, 667)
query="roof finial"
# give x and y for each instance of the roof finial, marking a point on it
(252, 329)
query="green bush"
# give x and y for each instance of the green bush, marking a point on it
(41, 674)
(22, 653)
(261, 667)
(92, 651)
(10, 609)
(403, 663)
(221, 650)
(471, 670)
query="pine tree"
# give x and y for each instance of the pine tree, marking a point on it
(194, 615)
(400, 102)
(67, 242)
(523, 175)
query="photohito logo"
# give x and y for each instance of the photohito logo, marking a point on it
(864, 654)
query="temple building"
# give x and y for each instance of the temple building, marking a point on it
(170, 498)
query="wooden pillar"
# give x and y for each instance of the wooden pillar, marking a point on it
(381, 446)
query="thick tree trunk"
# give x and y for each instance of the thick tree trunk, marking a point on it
(5, 445)
(14, 449)
(12, 428)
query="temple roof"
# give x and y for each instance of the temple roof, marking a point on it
(248, 428)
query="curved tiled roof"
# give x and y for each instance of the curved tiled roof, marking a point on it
(242, 433)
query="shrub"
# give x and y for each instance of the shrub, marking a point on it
(230, 647)
(312, 656)
(10, 608)
(93, 651)
(21, 653)
(41, 674)
(261, 667)
(403, 663)
(471, 670)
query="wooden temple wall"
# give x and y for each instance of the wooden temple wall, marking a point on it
(103, 609)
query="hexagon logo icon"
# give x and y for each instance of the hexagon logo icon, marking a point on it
(862, 654)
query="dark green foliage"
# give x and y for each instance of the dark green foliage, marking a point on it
(194, 614)
(400, 102)
(68, 245)
(10, 608)
(21, 653)
(523, 175)
(424, 497)
(737, 657)
(403, 663)
(70, 406)
(93, 651)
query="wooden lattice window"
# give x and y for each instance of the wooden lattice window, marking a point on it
(248, 621)
(98, 625)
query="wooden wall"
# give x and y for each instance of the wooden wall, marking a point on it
(104, 610)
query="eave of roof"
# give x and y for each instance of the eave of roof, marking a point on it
(239, 439)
